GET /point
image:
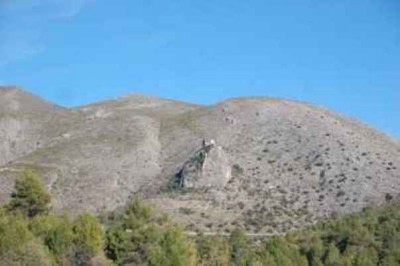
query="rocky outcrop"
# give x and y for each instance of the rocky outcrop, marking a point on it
(208, 168)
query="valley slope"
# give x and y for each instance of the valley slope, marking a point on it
(276, 165)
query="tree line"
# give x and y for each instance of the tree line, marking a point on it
(31, 235)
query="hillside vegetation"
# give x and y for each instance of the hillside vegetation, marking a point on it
(275, 166)
(29, 235)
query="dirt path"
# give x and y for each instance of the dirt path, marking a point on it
(252, 235)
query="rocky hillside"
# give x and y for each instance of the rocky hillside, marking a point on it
(263, 164)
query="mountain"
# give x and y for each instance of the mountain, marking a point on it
(265, 164)
(23, 120)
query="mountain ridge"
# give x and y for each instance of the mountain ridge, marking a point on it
(287, 163)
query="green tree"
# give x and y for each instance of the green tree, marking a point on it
(285, 253)
(333, 256)
(366, 257)
(30, 197)
(18, 246)
(88, 239)
(242, 251)
(313, 247)
(56, 233)
(142, 237)
(392, 259)
(129, 238)
(173, 249)
(213, 251)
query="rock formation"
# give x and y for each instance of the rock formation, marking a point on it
(208, 168)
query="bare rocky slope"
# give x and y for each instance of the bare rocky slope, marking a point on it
(266, 165)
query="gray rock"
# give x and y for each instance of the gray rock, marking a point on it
(207, 168)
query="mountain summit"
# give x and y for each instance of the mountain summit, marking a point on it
(265, 164)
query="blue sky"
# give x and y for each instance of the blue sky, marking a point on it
(342, 54)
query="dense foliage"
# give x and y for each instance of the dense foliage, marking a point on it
(142, 236)
(30, 236)
(30, 196)
(369, 238)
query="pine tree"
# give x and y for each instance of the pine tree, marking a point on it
(333, 256)
(30, 197)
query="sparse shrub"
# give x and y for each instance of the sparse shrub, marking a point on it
(237, 170)
(340, 193)
(186, 211)
(388, 197)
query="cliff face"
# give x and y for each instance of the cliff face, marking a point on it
(274, 165)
